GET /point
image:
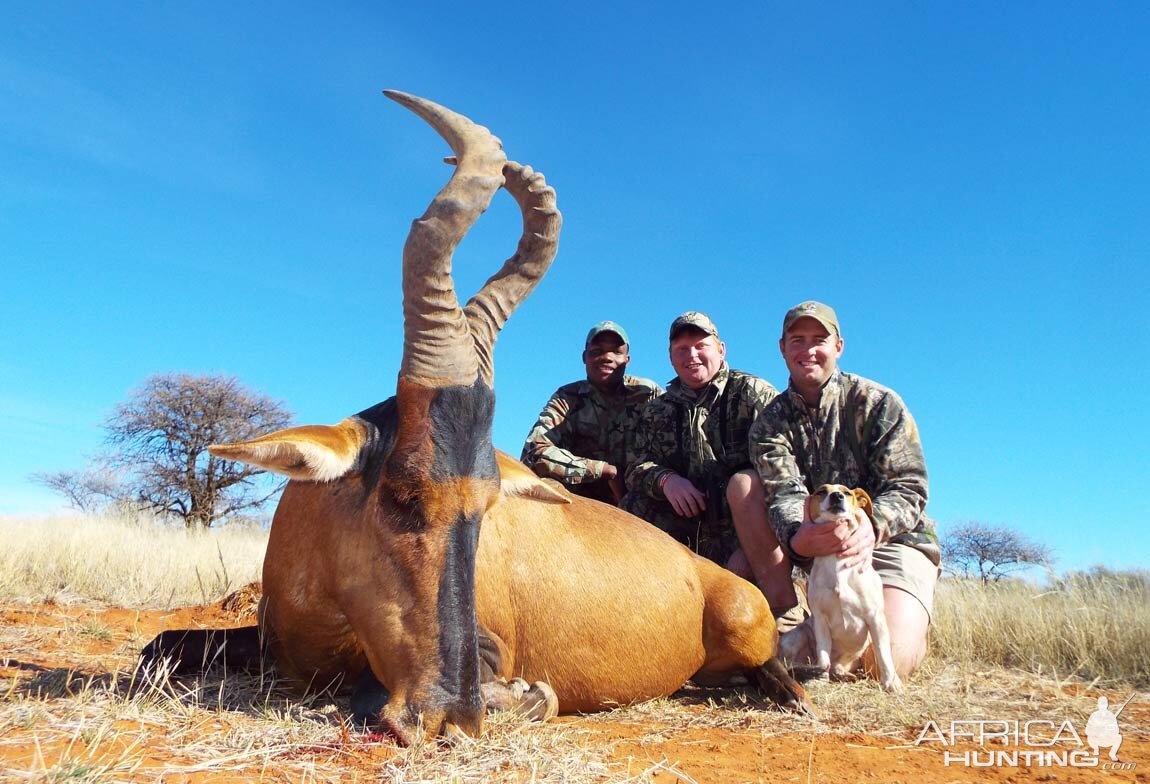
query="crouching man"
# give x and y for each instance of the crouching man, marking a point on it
(583, 435)
(691, 475)
(838, 428)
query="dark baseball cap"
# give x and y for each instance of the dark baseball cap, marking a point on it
(606, 326)
(824, 314)
(695, 320)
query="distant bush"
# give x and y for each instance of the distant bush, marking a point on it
(159, 459)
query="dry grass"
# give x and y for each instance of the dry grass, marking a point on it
(1093, 626)
(96, 719)
(125, 561)
(940, 689)
(133, 726)
(146, 726)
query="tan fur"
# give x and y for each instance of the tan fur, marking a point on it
(517, 480)
(337, 594)
(602, 606)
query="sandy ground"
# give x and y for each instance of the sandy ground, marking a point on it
(52, 727)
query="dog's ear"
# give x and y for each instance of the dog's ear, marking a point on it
(862, 500)
(811, 507)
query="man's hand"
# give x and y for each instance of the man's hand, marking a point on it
(816, 539)
(685, 498)
(614, 482)
(854, 547)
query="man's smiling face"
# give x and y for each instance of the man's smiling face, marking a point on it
(811, 353)
(696, 357)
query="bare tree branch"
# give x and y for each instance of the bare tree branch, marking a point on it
(159, 438)
(991, 552)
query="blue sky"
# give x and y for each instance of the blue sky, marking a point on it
(221, 187)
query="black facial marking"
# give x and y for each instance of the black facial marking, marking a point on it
(461, 420)
(382, 420)
(458, 630)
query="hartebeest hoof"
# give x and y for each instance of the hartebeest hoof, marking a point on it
(780, 688)
(535, 702)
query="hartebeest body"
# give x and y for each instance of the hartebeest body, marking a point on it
(377, 568)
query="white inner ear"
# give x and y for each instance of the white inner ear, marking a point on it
(526, 486)
(301, 460)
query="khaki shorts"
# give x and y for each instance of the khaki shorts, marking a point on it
(902, 566)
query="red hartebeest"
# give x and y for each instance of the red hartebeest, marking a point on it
(379, 572)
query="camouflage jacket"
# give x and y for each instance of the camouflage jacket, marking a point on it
(580, 430)
(699, 434)
(861, 435)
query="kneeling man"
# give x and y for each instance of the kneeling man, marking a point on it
(831, 427)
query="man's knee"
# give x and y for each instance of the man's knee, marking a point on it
(749, 510)
(745, 490)
(908, 622)
(739, 564)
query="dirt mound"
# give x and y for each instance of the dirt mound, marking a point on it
(243, 603)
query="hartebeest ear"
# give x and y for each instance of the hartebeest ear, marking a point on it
(515, 479)
(317, 453)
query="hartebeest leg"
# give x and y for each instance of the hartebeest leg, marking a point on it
(740, 637)
(779, 687)
(536, 702)
(195, 650)
(368, 697)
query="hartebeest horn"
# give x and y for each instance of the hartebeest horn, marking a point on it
(490, 308)
(438, 349)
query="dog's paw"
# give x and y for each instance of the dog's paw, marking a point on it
(842, 672)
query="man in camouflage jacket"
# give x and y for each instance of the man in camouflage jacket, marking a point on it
(583, 435)
(692, 441)
(835, 427)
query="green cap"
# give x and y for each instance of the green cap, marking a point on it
(606, 326)
(824, 314)
(695, 319)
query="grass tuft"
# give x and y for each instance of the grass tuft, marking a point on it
(124, 561)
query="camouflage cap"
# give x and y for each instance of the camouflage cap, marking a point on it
(606, 326)
(824, 314)
(695, 319)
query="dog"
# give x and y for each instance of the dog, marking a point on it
(846, 602)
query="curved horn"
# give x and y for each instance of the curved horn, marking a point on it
(437, 347)
(490, 308)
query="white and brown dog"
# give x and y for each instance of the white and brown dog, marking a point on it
(846, 602)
